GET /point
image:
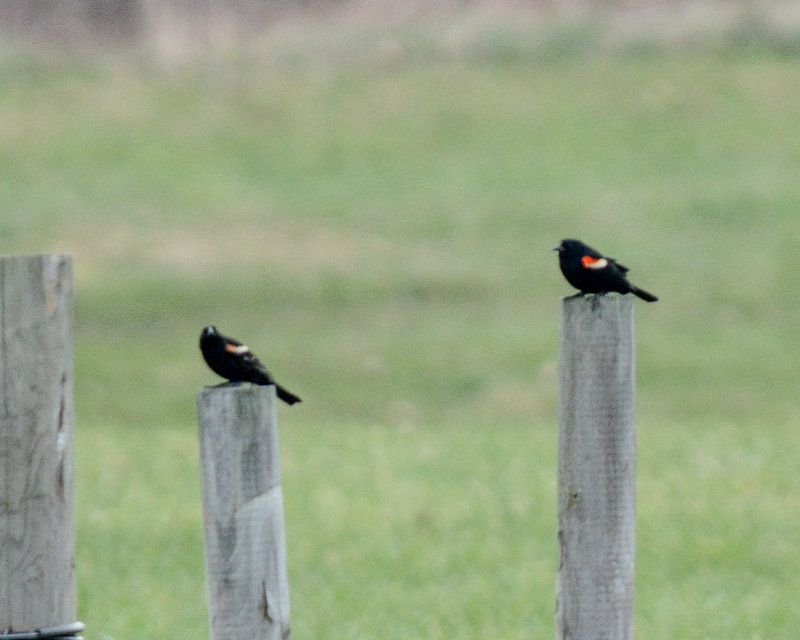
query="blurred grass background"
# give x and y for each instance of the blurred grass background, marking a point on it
(371, 207)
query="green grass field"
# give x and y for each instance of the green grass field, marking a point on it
(374, 215)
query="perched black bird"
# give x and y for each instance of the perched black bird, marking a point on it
(590, 271)
(231, 359)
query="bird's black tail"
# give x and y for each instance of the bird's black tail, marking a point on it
(644, 295)
(287, 396)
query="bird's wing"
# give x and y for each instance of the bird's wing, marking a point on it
(241, 350)
(621, 267)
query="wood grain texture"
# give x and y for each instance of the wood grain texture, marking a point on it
(246, 573)
(37, 537)
(596, 469)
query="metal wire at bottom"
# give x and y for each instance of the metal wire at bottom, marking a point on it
(61, 632)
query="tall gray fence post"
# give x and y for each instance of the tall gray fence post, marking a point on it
(596, 469)
(246, 574)
(37, 527)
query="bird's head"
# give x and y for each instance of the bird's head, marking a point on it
(208, 332)
(569, 244)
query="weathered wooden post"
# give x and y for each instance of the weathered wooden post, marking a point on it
(37, 530)
(246, 574)
(596, 469)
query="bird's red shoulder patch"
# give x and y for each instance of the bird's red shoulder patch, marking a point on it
(589, 262)
(237, 349)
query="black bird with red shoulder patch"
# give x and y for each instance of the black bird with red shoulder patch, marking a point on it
(231, 359)
(590, 271)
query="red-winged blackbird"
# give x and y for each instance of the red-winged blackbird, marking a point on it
(231, 359)
(590, 271)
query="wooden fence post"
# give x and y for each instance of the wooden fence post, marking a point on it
(246, 574)
(37, 530)
(596, 469)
